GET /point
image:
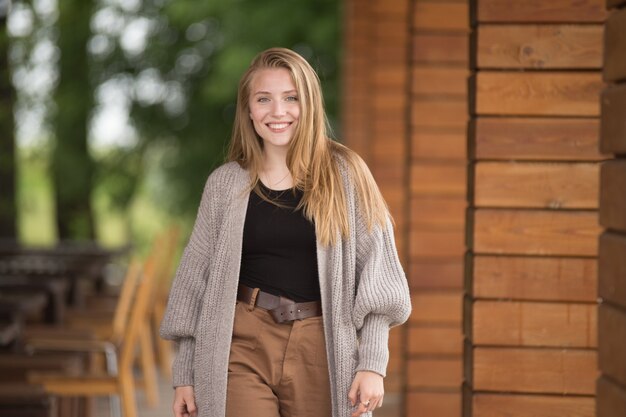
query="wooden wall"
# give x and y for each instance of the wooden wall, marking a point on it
(374, 120)
(437, 193)
(405, 112)
(611, 386)
(532, 225)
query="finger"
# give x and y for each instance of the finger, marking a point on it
(191, 407)
(352, 395)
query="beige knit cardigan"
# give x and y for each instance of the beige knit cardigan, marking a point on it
(363, 293)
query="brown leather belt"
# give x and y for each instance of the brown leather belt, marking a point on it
(282, 309)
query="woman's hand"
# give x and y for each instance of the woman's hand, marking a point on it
(366, 392)
(185, 402)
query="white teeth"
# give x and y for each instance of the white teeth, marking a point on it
(277, 126)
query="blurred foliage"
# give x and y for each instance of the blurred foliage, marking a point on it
(186, 76)
(173, 66)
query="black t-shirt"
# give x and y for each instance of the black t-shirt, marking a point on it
(279, 253)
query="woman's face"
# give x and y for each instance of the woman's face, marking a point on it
(274, 106)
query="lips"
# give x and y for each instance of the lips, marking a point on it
(278, 127)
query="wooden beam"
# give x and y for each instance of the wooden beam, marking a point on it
(613, 128)
(514, 323)
(438, 179)
(614, 46)
(434, 373)
(434, 404)
(541, 185)
(540, 11)
(535, 232)
(535, 370)
(612, 268)
(612, 343)
(436, 274)
(535, 278)
(540, 46)
(613, 195)
(507, 405)
(435, 340)
(441, 48)
(534, 138)
(441, 16)
(538, 93)
(436, 308)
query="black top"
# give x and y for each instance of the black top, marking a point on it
(279, 253)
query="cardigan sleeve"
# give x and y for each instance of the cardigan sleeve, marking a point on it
(382, 297)
(185, 298)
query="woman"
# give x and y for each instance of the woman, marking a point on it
(283, 300)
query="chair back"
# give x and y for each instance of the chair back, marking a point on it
(120, 316)
(138, 313)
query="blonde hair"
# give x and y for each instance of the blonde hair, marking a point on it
(312, 155)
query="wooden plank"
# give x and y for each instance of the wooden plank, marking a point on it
(612, 342)
(438, 179)
(435, 373)
(438, 213)
(541, 185)
(533, 278)
(441, 48)
(441, 16)
(438, 145)
(388, 102)
(446, 114)
(434, 404)
(514, 323)
(395, 8)
(536, 11)
(433, 274)
(389, 76)
(389, 29)
(612, 268)
(437, 243)
(611, 399)
(536, 138)
(440, 81)
(435, 340)
(540, 46)
(539, 370)
(538, 93)
(535, 232)
(612, 126)
(503, 405)
(613, 195)
(436, 308)
(614, 46)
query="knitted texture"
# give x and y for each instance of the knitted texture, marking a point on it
(364, 292)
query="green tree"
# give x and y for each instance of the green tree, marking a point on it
(8, 212)
(186, 76)
(72, 165)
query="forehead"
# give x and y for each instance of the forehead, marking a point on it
(272, 80)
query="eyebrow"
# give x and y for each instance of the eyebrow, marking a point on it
(284, 92)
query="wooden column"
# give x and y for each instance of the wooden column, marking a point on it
(438, 119)
(532, 223)
(611, 386)
(375, 125)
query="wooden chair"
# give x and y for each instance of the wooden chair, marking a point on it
(164, 347)
(120, 380)
(107, 329)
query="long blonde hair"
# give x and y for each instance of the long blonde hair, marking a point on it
(312, 155)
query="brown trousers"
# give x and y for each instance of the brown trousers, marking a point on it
(277, 370)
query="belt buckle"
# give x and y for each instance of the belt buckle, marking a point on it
(282, 314)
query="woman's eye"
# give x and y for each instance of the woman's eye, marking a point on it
(292, 98)
(262, 99)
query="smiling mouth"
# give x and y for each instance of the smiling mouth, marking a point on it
(278, 127)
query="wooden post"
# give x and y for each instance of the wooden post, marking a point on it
(532, 223)
(611, 386)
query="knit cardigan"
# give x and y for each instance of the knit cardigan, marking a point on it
(364, 292)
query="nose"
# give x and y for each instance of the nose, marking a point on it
(278, 108)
